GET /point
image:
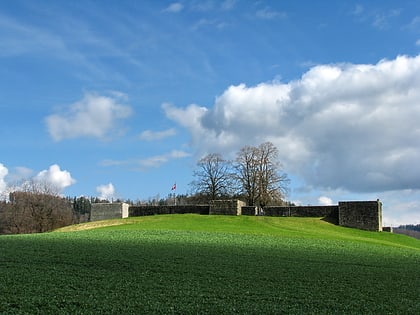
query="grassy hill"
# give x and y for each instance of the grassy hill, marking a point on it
(190, 264)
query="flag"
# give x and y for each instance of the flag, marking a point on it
(173, 187)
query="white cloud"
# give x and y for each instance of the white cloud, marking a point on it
(60, 179)
(106, 192)
(206, 22)
(20, 179)
(269, 14)
(19, 38)
(150, 162)
(383, 19)
(149, 135)
(379, 18)
(174, 7)
(19, 174)
(348, 126)
(3, 173)
(158, 160)
(414, 24)
(325, 201)
(93, 116)
(400, 207)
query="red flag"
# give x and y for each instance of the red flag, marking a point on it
(174, 187)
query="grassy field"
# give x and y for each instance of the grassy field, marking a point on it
(191, 264)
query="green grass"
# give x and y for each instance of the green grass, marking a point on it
(191, 264)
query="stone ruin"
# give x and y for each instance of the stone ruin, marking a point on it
(106, 211)
(365, 215)
(226, 207)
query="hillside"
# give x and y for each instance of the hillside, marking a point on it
(314, 228)
(187, 264)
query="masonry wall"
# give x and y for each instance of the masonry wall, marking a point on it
(106, 211)
(249, 210)
(328, 212)
(365, 215)
(226, 207)
(136, 211)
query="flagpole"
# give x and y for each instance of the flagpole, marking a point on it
(174, 188)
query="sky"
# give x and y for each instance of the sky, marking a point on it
(119, 99)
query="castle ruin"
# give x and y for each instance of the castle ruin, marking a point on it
(364, 215)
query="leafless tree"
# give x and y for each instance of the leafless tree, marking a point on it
(246, 166)
(260, 176)
(36, 207)
(213, 178)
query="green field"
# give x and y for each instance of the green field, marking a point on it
(192, 264)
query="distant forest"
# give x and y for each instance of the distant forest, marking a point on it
(411, 227)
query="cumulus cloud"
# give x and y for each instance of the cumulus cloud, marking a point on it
(325, 201)
(349, 126)
(21, 179)
(3, 173)
(93, 116)
(400, 207)
(106, 192)
(149, 135)
(58, 178)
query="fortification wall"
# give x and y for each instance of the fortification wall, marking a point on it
(226, 207)
(249, 210)
(106, 211)
(302, 211)
(365, 215)
(136, 211)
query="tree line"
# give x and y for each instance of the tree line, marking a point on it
(37, 207)
(412, 227)
(255, 176)
(409, 229)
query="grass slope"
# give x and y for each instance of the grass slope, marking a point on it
(190, 264)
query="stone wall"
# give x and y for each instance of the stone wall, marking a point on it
(365, 215)
(303, 211)
(136, 211)
(106, 211)
(249, 210)
(226, 207)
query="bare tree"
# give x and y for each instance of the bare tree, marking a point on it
(36, 206)
(40, 187)
(247, 173)
(272, 181)
(213, 178)
(259, 175)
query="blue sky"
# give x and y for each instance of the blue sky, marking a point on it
(120, 98)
